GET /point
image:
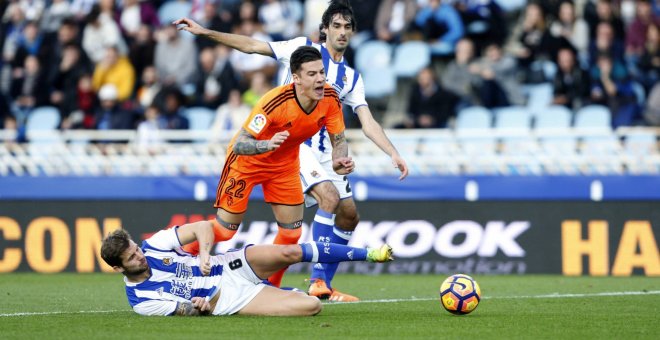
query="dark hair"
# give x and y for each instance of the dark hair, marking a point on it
(113, 246)
(336, 7)
(303, 54)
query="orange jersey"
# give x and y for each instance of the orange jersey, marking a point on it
(279, 110)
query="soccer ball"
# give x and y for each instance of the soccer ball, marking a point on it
(460, 294)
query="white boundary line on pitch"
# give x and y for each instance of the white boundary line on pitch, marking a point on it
(544, 296)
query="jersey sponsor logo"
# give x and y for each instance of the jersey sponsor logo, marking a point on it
(257, 123)
(167, 261)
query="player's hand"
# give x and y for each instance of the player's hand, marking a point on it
(204, 263)
(201, 304)
(343, 165)
(188, 25)
(399, 163)
(277, 140)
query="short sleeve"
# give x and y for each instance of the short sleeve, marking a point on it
(155, 307)
(355, 98)
(257, 122)
(167, 239)
(284, 49)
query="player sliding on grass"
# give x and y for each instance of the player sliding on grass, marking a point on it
(320, 183)
(161, 281)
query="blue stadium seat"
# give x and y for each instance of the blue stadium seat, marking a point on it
(43, 118)
(593, 116)
(553, 117)
(513, 117)
(511, 5)
(473, 117)
(379, 82)
(373, 54)
(539, 96)
(410, 57)
(200, 118)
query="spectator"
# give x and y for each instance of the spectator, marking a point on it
(31, 42)
(29, 88)
(429, 105)
(637, 30)
(497, 82)
(117, 70)
(258, 87)
(149, 88)
(229, 117)
(214, 17)
(110, 115)
(216, 77)
(175, 58)
(99, 33)
(570, 29)
(457, 78)
(483, 21)
(280, 18)
(611, 87)
(82, 8)
(249, 64)
(534, 42)
(603, 11)
(54, 15)
(136, 14)
(142, 49)
(649, 62)
(65, 80)
(170, 102)
(571, 83)
(606, 43)
(148, 131)
(440, 25)
(393, 19)
(33, 9)
(652, 112)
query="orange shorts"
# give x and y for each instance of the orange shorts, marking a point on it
(235, 187)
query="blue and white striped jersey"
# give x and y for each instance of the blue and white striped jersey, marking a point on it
(344, 79)
(175, 277)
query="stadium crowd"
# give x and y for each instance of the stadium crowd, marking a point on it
(121, 64)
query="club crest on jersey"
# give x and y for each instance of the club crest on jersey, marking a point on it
(257, 123)
(315, 174)
(167, 261)
(344, 79)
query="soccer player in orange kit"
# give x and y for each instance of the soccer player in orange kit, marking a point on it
(265, 151)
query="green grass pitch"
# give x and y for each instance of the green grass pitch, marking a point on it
(93, 306)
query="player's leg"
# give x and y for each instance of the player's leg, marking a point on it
(232, 195)
(346, 221)
(284, 193)
(267, 259)
(319, 192)
(289, 229)
(278, 302)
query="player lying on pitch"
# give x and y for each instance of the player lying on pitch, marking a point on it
(161, 279)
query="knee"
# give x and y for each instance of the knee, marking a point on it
(348, 221)
(291, 253)
(312, 306)
(327, 196)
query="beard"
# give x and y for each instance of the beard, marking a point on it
(136, 271)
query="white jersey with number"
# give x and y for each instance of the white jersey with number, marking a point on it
(344, 79)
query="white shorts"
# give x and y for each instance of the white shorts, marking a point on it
(239, 283)
(314, 170)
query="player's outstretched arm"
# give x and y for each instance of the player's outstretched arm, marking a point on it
(242, 43)
(341, 163)
(375, 132)
(246, 144)
(202, 232)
